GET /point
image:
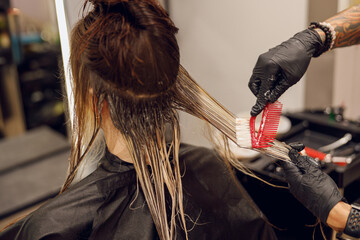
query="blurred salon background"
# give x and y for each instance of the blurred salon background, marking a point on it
(220, 42)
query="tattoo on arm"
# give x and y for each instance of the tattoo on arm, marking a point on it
(347, 27)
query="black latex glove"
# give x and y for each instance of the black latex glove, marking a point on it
(281, 67)
(309, 184)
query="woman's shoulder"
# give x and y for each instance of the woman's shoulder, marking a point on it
(201, 160)
(216, 201)
(205, 173)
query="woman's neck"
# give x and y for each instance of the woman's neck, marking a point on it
(115, 141)
(116, 145)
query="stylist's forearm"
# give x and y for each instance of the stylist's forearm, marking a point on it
(347, 27)
(338, 216)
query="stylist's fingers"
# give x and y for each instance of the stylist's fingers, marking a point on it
(263, 80)
(258, 107)
(254, 84)
(263, 95)
(281, 86)
(291, 171)
(305, 163)
(295, 157)
(288, 166)
(298, 146)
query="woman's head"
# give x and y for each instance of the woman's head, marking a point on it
(129, 45)
(125, 53)
(127, 48)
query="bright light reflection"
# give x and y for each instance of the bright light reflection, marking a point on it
(65, 50)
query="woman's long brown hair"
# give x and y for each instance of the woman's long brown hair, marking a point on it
(126, 53)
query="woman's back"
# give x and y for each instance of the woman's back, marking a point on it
(107, 205)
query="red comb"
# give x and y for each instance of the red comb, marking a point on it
(268, 126)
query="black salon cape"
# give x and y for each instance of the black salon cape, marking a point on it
(106, 205)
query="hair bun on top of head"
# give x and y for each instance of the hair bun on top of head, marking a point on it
(108, 6)
(109, 2)
(130, 45)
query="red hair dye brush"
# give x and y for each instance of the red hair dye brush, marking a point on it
(268, 126)
(327, 158)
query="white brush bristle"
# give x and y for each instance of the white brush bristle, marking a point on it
(243, 135)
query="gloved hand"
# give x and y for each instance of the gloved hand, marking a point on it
(309, 184)
(281, 67)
